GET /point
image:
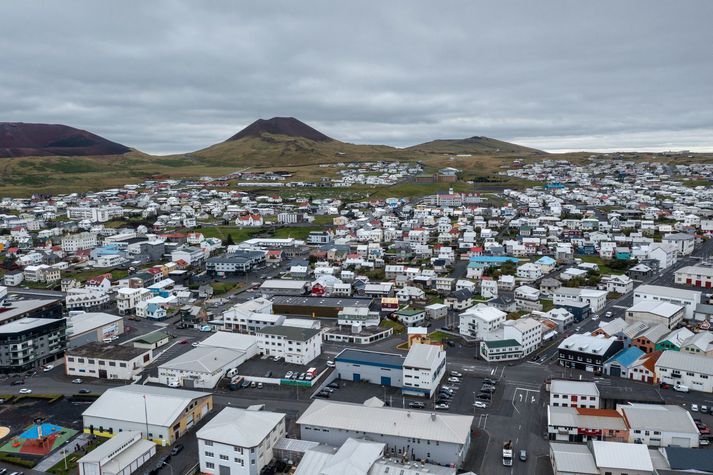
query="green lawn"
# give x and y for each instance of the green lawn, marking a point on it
(603, 267)
(72, 458)
(84, 274)
(220, 288)
(398, 328)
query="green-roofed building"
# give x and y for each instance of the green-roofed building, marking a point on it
(501, 350)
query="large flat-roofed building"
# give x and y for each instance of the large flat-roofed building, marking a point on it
(575, 424)
(655, 313)
(284, 287)
(688, 299)
(159, 414)
(93, 327)
(239, 441)
(587, 352)
(694, 371)
(30, 308)
(660, 425)
(31, 342)
(370, 366)
(204, 366)
(121, 455)
(424, 368)
(414, 435)
(317, 306)
(106, 361)
(567, 393)
(699, 276)
(295, 344)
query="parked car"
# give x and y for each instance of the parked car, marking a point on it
(416, 405)
(322, 394)
(704, 409)
(480, 405)
(442, 407)
(330, 364)
(484, 396)
(18, 382)
(194, 344)
(183, 342)
(681, 388)
(694, 407)
(48, 367)
(25, 391)
(608, 315)
(595, 317)
(333, 385)
(288, 375)
(259, 385)
(665, 386)
(456, 374)
(453, 380)
(490, 381)
(176, 449)
(77, 381)
(85, 391)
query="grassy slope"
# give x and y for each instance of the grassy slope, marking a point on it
(27, 175)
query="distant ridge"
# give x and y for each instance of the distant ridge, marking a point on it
(19, 139)
(287, 126)
(473, 145)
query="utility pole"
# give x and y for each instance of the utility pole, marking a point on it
(146, 415)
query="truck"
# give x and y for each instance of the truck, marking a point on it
(507, 453)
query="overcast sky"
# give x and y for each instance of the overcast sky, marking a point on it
(175, 76)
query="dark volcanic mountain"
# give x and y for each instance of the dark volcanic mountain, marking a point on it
(474, 145)
(18, 139)
(288, 126)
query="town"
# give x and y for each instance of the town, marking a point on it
(259, 323)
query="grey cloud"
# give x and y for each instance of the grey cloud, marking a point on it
(175, 76)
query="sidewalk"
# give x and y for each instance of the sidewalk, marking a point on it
(55, 457)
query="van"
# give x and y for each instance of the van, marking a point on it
(174, 383)
(231, 372)
(206, 328)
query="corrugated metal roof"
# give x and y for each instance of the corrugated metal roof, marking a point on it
(388, 421)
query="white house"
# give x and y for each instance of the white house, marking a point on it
(479, 320)
(526, 331)
(529, 271)
(423, 369)
(294, 344)
(239, 441)
(595, 298)
(620, 284)
(127, 298)
(566, 393)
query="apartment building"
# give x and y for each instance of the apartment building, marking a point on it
(423, 369)
(294, 344)
(128, 298)
(239, 441)
(479, 320)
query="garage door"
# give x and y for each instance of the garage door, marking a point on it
(614, 370)
(356, 377)
(386, 381)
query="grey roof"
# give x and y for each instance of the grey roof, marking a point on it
(26, 323)
(291, 333)
(564, 386)
(686, 362)
(307, 301)
(422, 356)
(622, 456)
(204, 359)
(665, 418)
(107, 352)
(571, 417)
(240, 427)
(573, 458)
(668, 292)
(680, 458)
(85, 322)
(405, 423)
(126, 403)
(373, 357)
(19, 308)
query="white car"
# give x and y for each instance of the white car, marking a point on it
(77, 381)
(453, 380)
(608, 314)
(442, 407)
(694, 407)
(25, 391)
(456, 374)
(194, 344)
(480, 405)
(48, 367)
(681, 388)
(595, 317)
(330, 364)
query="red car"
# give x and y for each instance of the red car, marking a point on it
(183, 342)
(665, 386)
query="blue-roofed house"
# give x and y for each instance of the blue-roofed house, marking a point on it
(494, 260)
(546, 263)
(619, 364)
